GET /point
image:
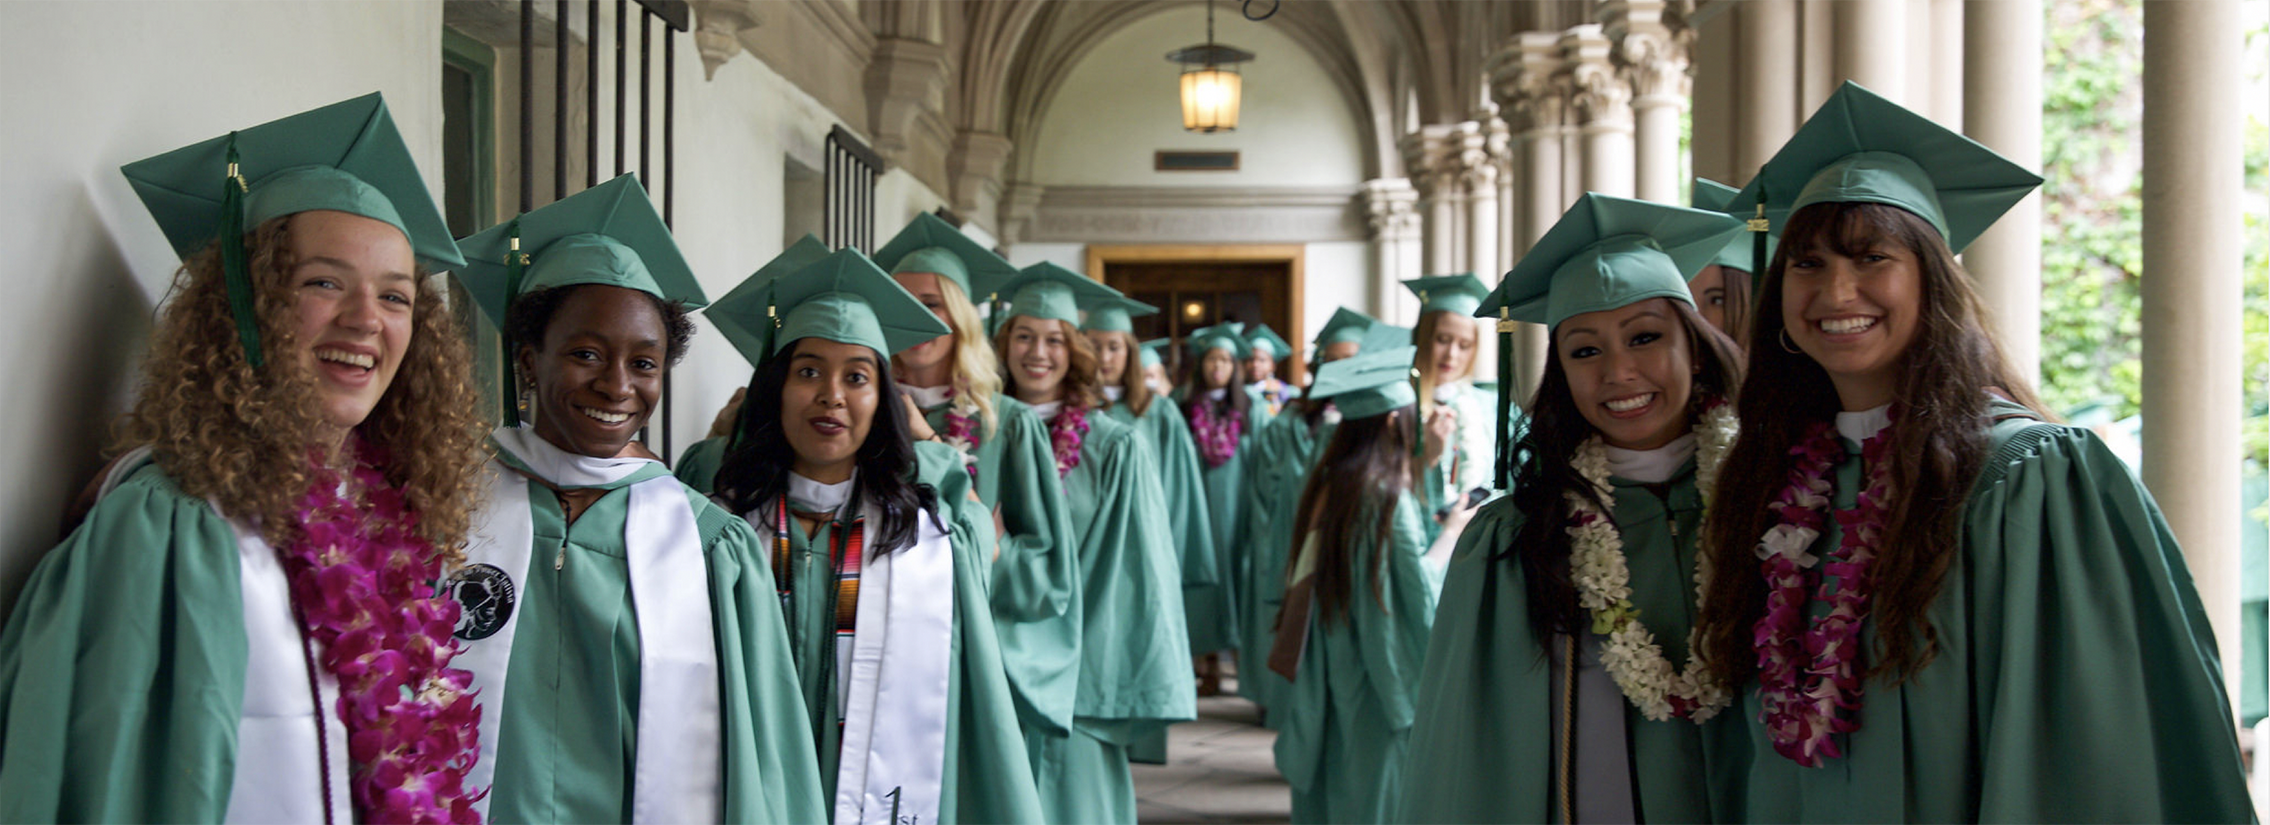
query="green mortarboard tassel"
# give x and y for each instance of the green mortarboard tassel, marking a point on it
(234, 271)
(1505, 397)
(515, 262)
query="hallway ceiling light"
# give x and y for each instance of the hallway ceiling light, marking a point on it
(1211, 85)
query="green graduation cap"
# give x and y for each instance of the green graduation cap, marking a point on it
(745, 316)
(608, 235)
(1860, 147)
(1345, 326)
(1151, 350)
(1607, 252)
(930, 244)
(1712, 196)
(1369, 384)
(1229, 336)
(848, 299)
(1448, 293)
(1047, 291)
(1260, 335)
(1113, 313)
(345, 157)
(1384, 335)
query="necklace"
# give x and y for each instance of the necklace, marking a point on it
(1629, 653)
(1065, 433)
(1803, 706)
(1217, 432)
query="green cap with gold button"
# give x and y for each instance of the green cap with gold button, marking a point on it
(1050, 292)
(1369, 384)
(1345, 326)
(746, 316)
(1712, 196)
(1861, 148)
(1113, 313)
(345, 157)
(1448, 293)
(930, 244)
(608, 235)
(847, 299)
(1608, 252)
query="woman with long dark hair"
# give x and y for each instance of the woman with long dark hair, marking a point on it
(626, 636)
(298, 468)
(1224, 414)
(881, 574)
(1560, 685)
(1132, 647)
(1277, 470)
(1935, 606)
(1358, 600)
(955, 381)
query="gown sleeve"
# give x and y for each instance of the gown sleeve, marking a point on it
(698, 465)
(1395, 638)
(771, 772)
(1036, 578)
(122, 667)
(2100, 696)
(1135, 667)
(988, 777)
(1185, 493)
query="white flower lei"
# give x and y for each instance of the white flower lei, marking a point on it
(1629, 653)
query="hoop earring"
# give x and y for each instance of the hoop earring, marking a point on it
(1786, 346)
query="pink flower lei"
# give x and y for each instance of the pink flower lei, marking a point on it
(961, 434)
(364, 584)
(1065, 433)
(1803, 708)
(1217, 432)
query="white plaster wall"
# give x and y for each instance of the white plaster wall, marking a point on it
(1121, 103)
(1072, 256)
(90, 87)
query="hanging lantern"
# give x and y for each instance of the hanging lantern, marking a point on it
(1211, 86)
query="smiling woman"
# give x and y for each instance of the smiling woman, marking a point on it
(676, 698)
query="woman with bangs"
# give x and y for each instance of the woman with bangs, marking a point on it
(1132, 647)
(299, 467)
(1996, 624)
(955, 382)
(624, 630)
(1722, 289)
(1562, 684)
(1225, 416)
(881, 575)
(1358, 602)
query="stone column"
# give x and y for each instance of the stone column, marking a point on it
(1479, 144)
(1870, 35)
(1651, 48)
(1527, 82)
(2002, 109)
(1765, 72)
(1391, 211)
(1429, 156)
(2192, 260)
(1603, 105)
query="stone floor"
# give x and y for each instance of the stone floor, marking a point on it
(1219, 769)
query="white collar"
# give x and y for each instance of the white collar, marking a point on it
(1217, 394)
(1446, 393)
(927, 397)
(1651, 466)
(1155, 388)
(1857, 427)
(808, 496)
(1048, 410)
(1114, 393)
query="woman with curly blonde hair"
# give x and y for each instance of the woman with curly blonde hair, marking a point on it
(255, 588)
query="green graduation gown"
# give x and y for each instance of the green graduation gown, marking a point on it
(1347, 723)
(566, 750)
(697, 466)
(2076, 679)
(1035, 586)
(123, 667)
(1213, 611)
(1483, 749)
(1276, 472)
(1163, 430)
(1134, 671)
(988, 777)
(1471, 459)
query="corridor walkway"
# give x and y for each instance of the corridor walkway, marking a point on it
(1219, 769)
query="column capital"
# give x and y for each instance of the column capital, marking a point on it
(1479, 145)
(1019, 204)
(1430, 158)
(1526, 82)
(1599, 93)
(974, 173)
(1391, 209)
(717, 30)
(1652, 44)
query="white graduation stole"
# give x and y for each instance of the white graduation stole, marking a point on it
(679, 775)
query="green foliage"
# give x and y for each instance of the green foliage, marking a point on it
(2092, 205)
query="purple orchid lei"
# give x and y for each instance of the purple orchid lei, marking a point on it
(1217, 432)
(1803, 707)
(1065, 432)
(364, 583)
(961, 434)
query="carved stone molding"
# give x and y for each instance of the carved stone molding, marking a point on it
(1527, 83)
(1133, 214)
(1391, 210)
(1600, 94)
(717, 30)
(1652, 43)
(974, 174)
(906, 81)
(1481, 149)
